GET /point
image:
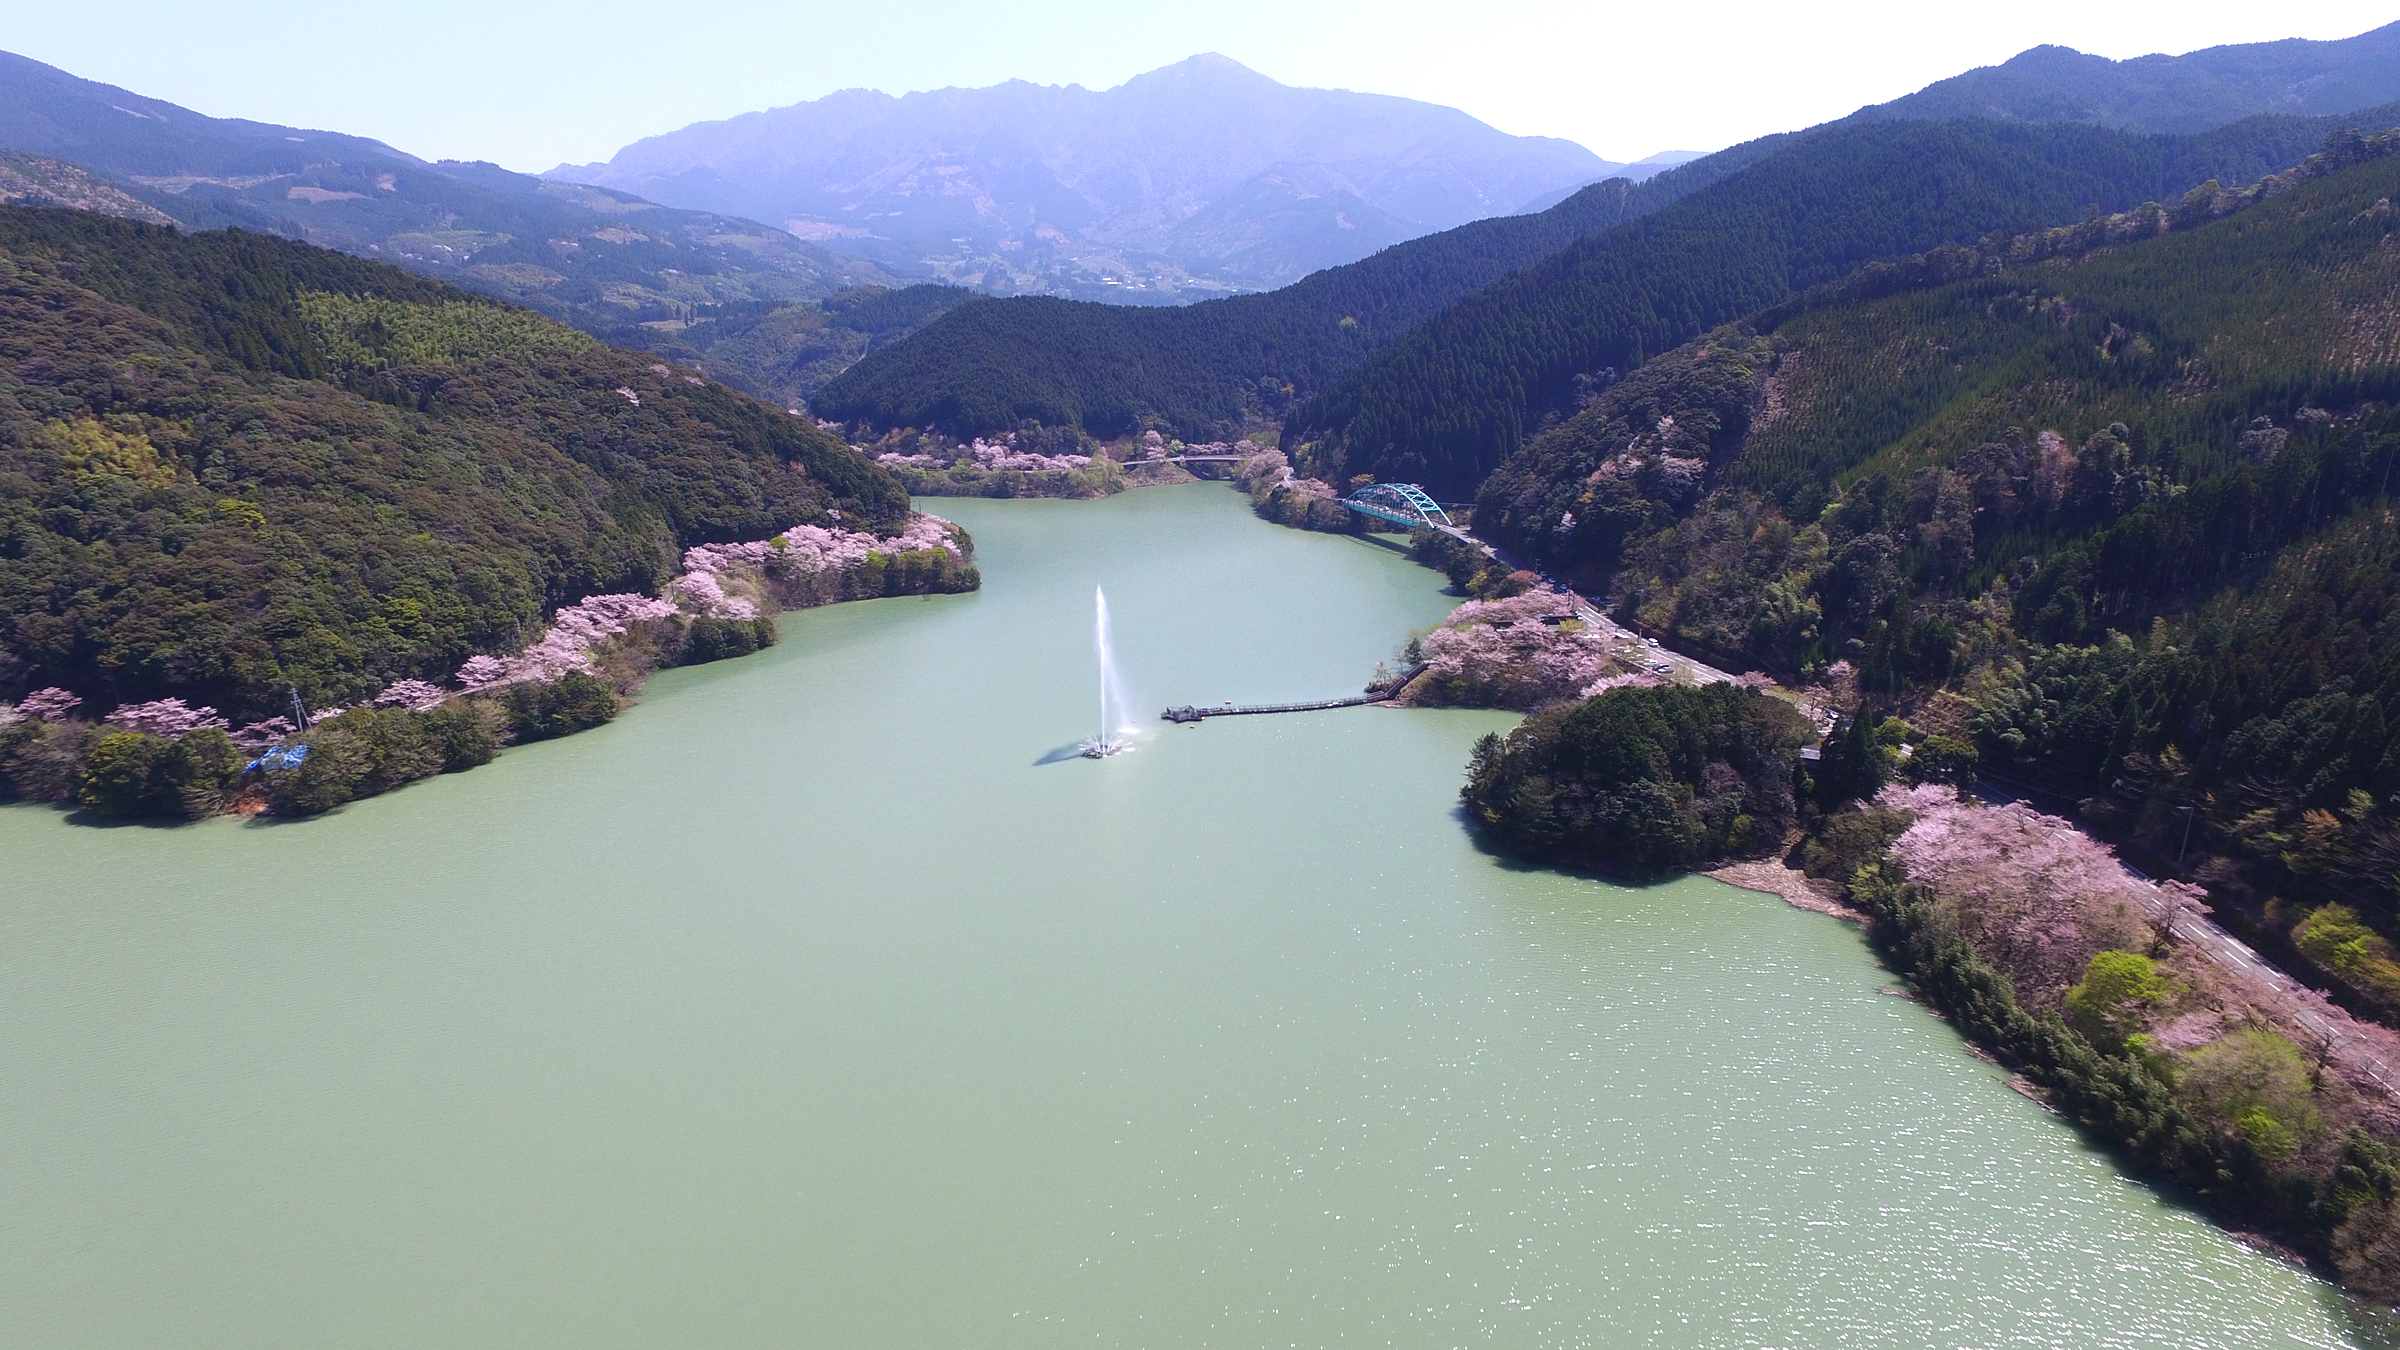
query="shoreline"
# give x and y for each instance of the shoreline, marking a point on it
(586, 664)
(1769, 876)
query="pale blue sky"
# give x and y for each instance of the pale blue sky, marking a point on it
(529, 85)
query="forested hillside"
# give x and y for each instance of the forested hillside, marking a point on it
(232, 465)
(1203, 371)
(1445, 405)
(2111, 502)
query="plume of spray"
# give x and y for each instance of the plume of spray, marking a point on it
(1117, 719)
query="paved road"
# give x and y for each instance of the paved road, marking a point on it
(1679, 667)
(2285, 996)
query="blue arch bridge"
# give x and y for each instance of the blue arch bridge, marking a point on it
(1402, 504)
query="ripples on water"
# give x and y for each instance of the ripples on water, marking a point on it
(820, 1001)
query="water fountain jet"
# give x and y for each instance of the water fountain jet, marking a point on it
(1113, 735)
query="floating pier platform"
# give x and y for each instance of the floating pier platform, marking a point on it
(1189, 713)
(1376, 693)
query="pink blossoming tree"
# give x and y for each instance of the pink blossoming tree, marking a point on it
(724, 581)
(2036, 896)
(166, 718)
(1522, 652)
(48, 705)
(567, 645)
(259, 735)
(414, 695)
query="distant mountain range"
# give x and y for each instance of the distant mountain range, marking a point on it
(1205, 177)
(1198, 179)
(1190, 182)
(1435, 389)
(605, 261)
(2177, 94)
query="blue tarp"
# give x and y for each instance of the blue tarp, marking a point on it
(284, 757)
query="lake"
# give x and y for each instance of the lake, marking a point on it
(826, 998)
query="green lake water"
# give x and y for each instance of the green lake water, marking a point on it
(821, 1001)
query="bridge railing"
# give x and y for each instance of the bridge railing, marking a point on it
(1402, 504)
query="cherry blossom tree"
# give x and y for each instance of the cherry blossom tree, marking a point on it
(1837, 691)
(48, 705)
(567, 645)
(2036, 896)
(1518, 653)
(1624, 679)
(702, 593)
(414, 695)
(711, 574)
(166, 718)
(983, 454)
(482, 672)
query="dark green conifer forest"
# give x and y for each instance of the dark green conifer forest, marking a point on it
(1208, 370)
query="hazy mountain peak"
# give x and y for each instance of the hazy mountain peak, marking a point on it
(1207, 67)
(1193, 179)
(2184, 94)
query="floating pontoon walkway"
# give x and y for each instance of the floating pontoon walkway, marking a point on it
(1376, 693)
(1192, 714)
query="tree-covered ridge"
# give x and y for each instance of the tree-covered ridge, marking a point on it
(1638, 456)
(35, 180)
(1447, 404)
(2191, 92)
(608, 262)
(2265, 1103)
(2111, 503)
(231, 465)
(1912, 354)
(1202, 372)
